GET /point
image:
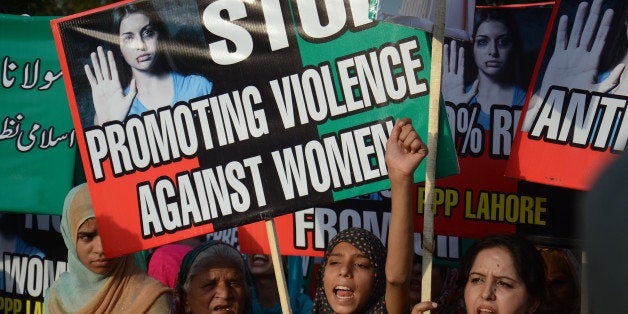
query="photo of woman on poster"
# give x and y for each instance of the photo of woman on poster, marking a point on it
(138, 75)
(590, 52)
(494, 77)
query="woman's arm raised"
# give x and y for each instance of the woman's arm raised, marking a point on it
(404, 152)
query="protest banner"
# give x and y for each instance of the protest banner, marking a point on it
(37, 143)
(306, 232)
(480, 200)
(574, 120)
(33, 256)
(37, 149)
(484, 85)
(290, 107)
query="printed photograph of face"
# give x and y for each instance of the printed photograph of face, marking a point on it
(134, 58)
(494, 68)
(138, 41)
(492, 47)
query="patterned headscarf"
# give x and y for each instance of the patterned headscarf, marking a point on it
(125, 289)
(371, 247)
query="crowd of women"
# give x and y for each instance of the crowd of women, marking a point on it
(498, 274)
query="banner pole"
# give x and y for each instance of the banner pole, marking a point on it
(435, 88)
(278, 266)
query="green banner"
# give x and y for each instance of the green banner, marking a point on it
(37, 144)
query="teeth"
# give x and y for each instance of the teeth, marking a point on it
(223, 308)
(342, 288)
(259, 257)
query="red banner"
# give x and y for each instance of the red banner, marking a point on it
(574, 121)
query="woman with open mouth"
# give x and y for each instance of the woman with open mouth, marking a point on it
(357, 274)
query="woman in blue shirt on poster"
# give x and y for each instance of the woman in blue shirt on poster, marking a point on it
(496, 43)
(140, 77)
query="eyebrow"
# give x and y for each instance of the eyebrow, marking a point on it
(216, 278)
(87, 233)
(150, 25)
(499, 277)
(360, 255)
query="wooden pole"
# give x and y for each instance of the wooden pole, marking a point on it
(278, 266)
(430, 176)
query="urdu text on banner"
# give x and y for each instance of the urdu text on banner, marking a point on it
(37, 143)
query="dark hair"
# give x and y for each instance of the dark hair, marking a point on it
(616, 45)
(142, 7)
(527, 260)
(511, 72)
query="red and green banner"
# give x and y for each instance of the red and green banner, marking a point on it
(37, 141)
(302, 97)
(574, 122)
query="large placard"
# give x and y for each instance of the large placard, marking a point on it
(263, 108)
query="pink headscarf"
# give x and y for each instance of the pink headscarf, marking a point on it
(165, 262)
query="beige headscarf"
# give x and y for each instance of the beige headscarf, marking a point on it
(127, 289)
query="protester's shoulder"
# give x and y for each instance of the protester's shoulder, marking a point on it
(162, 304)
(305, 304)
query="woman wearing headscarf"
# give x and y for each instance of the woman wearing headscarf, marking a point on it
(95, 283)
(212, 279)
(369, 273)
(357, 274)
